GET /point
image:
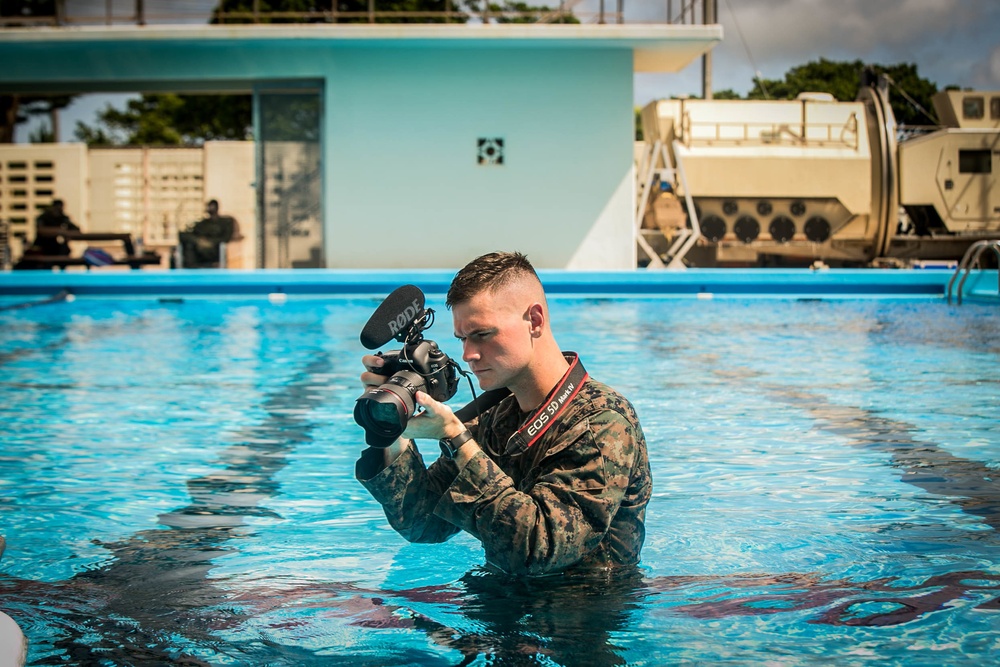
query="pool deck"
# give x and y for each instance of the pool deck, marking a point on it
(692, 283)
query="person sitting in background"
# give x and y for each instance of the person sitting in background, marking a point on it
(48, 225)
(49, 240)
(200, 244)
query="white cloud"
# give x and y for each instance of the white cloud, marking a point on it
(986, 74)
(952, 42)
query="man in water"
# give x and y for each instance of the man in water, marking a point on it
(554, 478)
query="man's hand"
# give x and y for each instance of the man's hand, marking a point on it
(435, 422)
(438, 421)
(369, 378)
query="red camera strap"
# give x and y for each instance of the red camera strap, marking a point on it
(542, 418)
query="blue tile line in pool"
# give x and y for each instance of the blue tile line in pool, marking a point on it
(703, 283)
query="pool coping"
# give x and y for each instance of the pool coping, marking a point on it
(691, 283)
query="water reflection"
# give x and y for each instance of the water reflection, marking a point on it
(972, 485)
(569, 620)
(484, 616)
(155, 586)
(152, 602)
(489, 618)
(877, 602)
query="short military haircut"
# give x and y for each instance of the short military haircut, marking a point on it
(493, 272)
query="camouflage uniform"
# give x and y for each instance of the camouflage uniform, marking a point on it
(576, 499)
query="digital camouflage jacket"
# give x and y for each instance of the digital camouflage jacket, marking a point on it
(576, 499)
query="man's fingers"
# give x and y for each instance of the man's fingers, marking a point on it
(371, 377)
(424, 399)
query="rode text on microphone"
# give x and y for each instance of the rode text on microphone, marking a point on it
(394, 316)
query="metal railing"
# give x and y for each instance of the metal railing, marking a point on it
(813, 135)
(145, 12)
(970, 259)
(166, 12)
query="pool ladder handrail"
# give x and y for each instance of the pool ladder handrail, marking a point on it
(970, 259)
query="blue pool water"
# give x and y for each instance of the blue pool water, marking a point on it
(178, 487)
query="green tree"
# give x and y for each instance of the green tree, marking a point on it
(16, 109)
(282, 11)
(840, 79)
(171, 120)
(422, 11)
(44, 134)
(521, 12)
(296, 119)
(726, 94)
(909, 94)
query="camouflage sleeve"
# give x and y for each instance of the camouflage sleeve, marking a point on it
(408, 492)
(555, 523)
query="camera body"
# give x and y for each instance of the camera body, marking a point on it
(420, 365)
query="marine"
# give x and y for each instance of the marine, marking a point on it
(543, 496)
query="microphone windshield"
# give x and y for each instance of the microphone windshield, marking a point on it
(393, 317)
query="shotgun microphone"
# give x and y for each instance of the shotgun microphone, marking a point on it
(393, 317)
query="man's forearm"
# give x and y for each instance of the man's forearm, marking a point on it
(462, 457)
(465, 453)
(393, 451)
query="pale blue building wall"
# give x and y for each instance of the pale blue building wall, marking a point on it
(402, 186)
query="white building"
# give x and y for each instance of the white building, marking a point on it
(428, 144)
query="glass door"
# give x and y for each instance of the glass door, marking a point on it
(288, 118)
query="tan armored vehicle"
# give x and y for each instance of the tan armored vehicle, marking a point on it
(791, 182)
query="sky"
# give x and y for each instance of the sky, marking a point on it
(952, 42)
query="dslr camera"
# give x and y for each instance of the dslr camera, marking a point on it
(384, 411)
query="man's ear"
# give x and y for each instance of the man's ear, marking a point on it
(536, 318)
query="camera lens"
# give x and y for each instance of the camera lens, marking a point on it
(382, 415)
(384, 411)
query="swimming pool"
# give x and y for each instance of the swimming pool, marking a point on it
(178, 486)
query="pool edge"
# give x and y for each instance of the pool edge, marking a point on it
(694, 283)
